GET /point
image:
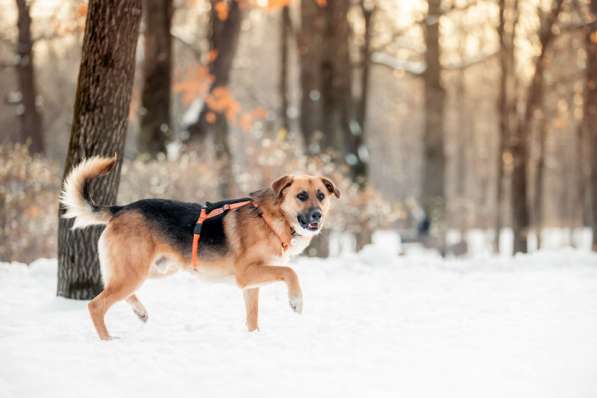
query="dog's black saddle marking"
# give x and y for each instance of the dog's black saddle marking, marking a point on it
(176, 222)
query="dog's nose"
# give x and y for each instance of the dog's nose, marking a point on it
(314, 215)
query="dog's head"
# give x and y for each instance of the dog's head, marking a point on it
(305, 201)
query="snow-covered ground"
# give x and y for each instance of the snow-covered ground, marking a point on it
(374, 325)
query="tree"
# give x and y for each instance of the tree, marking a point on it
(310, 50)
(336, 79)
(520, 136)
(225, 23)
(29, 115)
(356, 136)
(332, 117)
(539, 191)
(434, 158)
(99, 128)
(157, 76)
(590, 110)
(285, 29)
(507, 26)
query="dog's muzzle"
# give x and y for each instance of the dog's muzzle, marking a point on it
(311, 219)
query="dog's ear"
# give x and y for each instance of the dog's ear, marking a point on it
(280, 184)
(329, 184)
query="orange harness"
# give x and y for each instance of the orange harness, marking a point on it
(206, 214)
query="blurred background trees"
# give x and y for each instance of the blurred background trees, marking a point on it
(437, 116)
(154, 114)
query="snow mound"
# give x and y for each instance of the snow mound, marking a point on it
(374, 325)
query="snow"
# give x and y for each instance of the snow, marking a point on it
(374, 324)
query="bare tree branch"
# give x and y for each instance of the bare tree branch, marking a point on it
(580, 26)
(424, 20)
(51, 36)
(195, 50)
(415, 69)
(468, 64)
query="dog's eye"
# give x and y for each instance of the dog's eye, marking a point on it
(302, 196)
(320, 196)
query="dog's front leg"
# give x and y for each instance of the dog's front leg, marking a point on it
(259, 275)
(251, 297)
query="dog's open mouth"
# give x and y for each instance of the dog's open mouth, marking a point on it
(312, 226)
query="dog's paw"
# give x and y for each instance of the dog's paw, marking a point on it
(296, 303)
(142, 315)
(109, 338)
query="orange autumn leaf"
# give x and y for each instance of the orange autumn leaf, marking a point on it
(246, 121)
(220, 100)
(275, 4)
(321, 3)
(32, 212)
(222, 10)
(82, 10)
(594, 37)
(210, 117)
(259, 113)
(212, 55)
(195, 84)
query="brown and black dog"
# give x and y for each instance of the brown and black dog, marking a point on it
(154, 237)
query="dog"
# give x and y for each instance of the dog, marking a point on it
(248, 245)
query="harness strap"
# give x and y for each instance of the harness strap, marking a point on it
(204, 215)
(214, 212)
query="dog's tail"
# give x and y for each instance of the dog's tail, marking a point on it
(75, 195)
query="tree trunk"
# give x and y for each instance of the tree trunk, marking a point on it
(363, 101)
(226, 181)
(465, 141)
(540, 175)
(590, 117)
(99, 128)
(29, 115)
(157, 75)
(503, 117)
(519, 142)
(327, 111)
(336, 82)
(223, 42)
(356, 133)
(360, 172)
(434, 164)
(285, 25)
(310, 49)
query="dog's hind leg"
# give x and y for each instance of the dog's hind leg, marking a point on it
(122, 273)
(138, 308)
(251, 297)
(114, 292)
